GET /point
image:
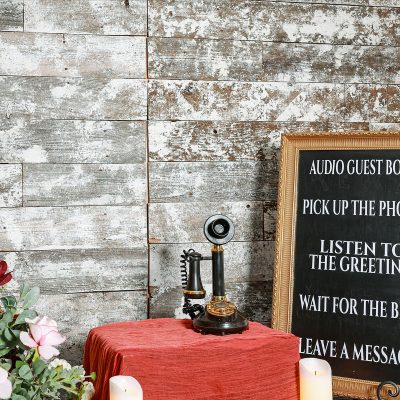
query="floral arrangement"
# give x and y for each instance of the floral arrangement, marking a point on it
(28, 367)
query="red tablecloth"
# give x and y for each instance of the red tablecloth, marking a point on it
(173, 362)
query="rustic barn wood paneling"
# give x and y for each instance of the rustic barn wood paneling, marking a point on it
(228, 141)
(183, 222)
(384, 3)
(84, 184)
(213, 181)
(269, 220)
(175, 58)
(105, 17)
(70, 113)
(274, 21)
(374, 103)
(93, 56)
(10, 185)
(244, 262)
(390, 127)
(73, 98)
(300, 62)
(11, 15)
(77, 313)
(238, 101)
(54, 228)
(339, 2)
(204, 59)
(28, 140)
(79, 271)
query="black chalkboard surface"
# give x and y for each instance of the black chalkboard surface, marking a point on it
(337, 273)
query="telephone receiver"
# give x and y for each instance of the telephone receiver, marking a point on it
(220, 316)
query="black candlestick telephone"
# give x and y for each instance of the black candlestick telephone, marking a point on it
(219, 316)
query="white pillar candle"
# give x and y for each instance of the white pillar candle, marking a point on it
(125, 388)
(315, 379)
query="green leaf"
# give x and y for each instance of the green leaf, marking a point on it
(9, 301)
(8, 335)
(30, 314)
(6, 365)
(31, 297)
(16, 333)
(8, 316)
(38, 367)
(25, 372)
(4, 351)
(24, 290)
(17, 397)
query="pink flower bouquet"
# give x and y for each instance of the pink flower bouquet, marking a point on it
(28, 345)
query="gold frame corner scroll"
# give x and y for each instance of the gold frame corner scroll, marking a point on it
(291, 146)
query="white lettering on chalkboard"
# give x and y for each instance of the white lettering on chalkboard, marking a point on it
(366, 208)
(315, 206)
(354, 167)
(318, 347)
(334, 257)
(355, 351)
(356, 256)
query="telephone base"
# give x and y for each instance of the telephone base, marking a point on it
(207, 323)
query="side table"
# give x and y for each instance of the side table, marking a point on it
(173, 362)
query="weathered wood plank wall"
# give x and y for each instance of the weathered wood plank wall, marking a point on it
(73, 184)
(108, 105)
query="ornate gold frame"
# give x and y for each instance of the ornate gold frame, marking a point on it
(286, 223)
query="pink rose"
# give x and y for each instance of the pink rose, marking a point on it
(5, 385)
(43, 335)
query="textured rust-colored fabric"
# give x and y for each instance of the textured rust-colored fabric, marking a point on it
(173, 362)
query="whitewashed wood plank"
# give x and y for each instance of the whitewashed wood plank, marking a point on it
(201, 59)
(106, 17)
(299, 62)
(10, 185)
(269, 220)
(373, 103)
(53, 228)
(244, 262)
(93, 56)
(84, 184)
(28, 140)
(184, 222)
(384, 3)
(331, 2)
(73, 98)
(228, 141)
(274, 21)
(387, 127)
(213, 181)
(11, 15)
(78, 271)
(77, 313)
(253, 299)
(244, 101)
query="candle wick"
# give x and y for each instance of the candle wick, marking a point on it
(315, 372)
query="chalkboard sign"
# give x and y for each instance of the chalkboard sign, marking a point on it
(337, 270)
